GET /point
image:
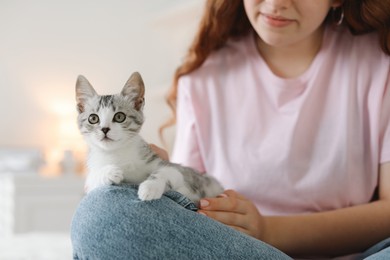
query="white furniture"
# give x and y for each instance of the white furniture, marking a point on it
(36, 246)
(29, 202)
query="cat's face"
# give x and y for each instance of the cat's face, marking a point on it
(109, 122)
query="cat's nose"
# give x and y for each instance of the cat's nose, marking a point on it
(105, 130)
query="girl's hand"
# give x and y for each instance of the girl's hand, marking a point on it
(234, 210)
(160, 152)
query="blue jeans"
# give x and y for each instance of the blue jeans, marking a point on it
(112, 223)
(380, 251)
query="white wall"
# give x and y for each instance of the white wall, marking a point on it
(45, 44)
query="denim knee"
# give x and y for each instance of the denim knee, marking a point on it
(380, 251)
(112, 223)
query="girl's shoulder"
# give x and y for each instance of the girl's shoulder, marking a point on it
(365, 46)
(354, 56)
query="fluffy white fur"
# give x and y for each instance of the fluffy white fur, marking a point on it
(119, 154)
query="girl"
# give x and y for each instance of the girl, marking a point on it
(287, 104)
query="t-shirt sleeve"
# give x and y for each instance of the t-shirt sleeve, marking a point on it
(186, 149)
(385, 124)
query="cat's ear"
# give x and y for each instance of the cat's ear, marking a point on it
(135, 90)
(84, 91)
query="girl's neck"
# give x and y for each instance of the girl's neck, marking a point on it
(291, 61)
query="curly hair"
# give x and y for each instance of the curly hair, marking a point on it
(223, 20)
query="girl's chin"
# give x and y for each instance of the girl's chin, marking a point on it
(275, 39)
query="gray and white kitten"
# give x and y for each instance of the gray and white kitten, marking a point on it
(110, 125)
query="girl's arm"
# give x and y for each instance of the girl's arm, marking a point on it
(333, 233)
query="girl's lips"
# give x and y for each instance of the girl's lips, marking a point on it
(276, 21)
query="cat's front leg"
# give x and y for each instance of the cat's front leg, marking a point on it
(111, 174)
(151, 189)
(158, 183)
(106, 175)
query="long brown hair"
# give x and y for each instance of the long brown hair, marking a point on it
(226, 19)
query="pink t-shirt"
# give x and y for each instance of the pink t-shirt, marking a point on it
(299, 145)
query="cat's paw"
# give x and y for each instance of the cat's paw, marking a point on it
(151, 189)
(112, 175)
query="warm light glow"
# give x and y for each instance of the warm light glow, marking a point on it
(69, 135)
(52, 162)
(68, 138)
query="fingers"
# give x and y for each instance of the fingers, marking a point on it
(227, 218)
(232, 193)
(229, 208)
(229, 201)
(234, 210)
(163, 154)
(238, 220)
(242, 230)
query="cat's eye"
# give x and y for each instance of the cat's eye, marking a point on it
(93, 119)
(119, 117)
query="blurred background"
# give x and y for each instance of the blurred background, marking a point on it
(44, 46)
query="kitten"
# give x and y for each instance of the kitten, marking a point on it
(110, 124)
